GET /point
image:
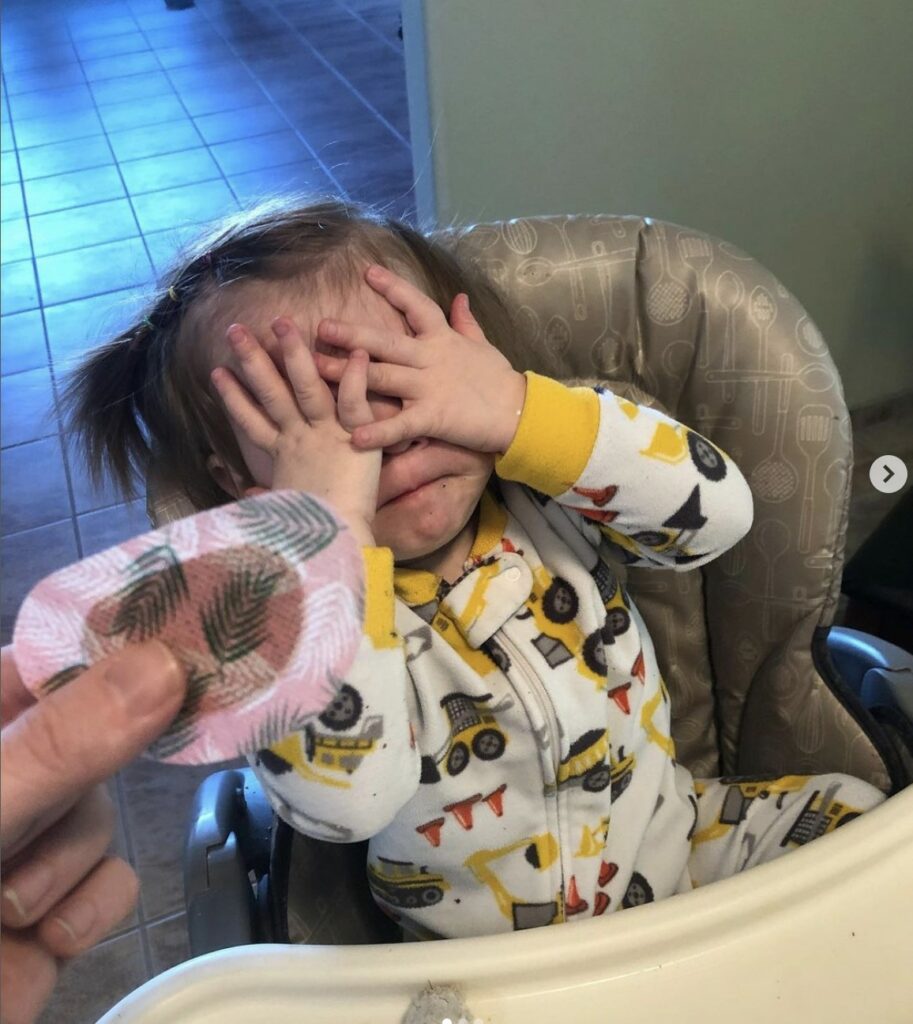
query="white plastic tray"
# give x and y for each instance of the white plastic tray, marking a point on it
(823, 934)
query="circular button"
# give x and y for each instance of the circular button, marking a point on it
(888, 474)
(514, 574)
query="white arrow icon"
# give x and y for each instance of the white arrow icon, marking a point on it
(888, 474)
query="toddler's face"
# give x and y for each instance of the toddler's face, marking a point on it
(428, 489)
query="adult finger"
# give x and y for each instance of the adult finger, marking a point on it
(58, 860)
(96, 906)
(405, 426)
(83, 733)
(263, 378)
(247, 415)
(311, 393)
(387, 346)
(423, 313)
(28, 974)
(14, 697)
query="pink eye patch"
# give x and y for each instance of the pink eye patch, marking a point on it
(261, 600)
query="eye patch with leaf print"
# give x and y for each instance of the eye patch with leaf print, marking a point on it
(261, 600)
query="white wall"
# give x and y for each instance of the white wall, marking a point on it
(785, 126)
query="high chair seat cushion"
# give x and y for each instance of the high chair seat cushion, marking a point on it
(261, 600)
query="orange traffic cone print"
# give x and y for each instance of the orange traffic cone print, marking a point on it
(462, 810)
(599, 496)
(638, 670)
(601, 903)
(431, 830)
(620, 695)
(574, 904)
(495, 800)
(607, 871)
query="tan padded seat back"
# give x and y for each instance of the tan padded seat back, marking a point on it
(676, 319)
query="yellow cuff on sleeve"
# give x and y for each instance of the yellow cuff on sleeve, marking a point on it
(555, 436)
(379, 601)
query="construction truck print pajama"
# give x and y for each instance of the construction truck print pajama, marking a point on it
(504, 742)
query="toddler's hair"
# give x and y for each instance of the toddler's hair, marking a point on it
(144, 399)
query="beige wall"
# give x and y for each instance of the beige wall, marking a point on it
(785, 126)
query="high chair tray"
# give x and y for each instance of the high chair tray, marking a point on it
(822, 934)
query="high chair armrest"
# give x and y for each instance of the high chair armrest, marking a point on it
(228, 839)
(877, 671)
(881, 675)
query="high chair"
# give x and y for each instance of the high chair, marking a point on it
(760, 684)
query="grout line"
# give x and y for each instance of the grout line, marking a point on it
(131, 857)
(398, 50)
(338, 74)
(262, 87)
(67, 473)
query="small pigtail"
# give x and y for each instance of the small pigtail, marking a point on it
(101, 407)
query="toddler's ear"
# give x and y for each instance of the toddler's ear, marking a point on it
(462, 320)
(224, 477)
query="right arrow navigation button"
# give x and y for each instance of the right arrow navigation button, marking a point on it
(888, 474)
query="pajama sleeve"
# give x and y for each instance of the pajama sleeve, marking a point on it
(347, 773)
(658, 492)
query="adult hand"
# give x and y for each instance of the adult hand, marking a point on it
(61, 893)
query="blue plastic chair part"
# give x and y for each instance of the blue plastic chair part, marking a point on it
(878, 672)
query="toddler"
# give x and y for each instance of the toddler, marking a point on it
(503, 736)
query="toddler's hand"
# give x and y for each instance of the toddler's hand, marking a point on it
(454, 385)
(298, 423)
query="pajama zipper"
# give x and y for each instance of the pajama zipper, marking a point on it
(541, 695)
(518, 659)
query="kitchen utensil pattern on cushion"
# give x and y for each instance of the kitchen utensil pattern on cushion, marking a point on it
(261, 600)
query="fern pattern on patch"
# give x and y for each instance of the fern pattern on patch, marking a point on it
(293, 524)
(64, 676)
(157, 587)
(235, 622)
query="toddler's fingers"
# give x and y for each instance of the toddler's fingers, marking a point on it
(248, 416)
(386, 346)
(384, 378)
(406, 426)
(352, 402)
(423, 313)
(311, 393)
(462, 320)
(263, 378)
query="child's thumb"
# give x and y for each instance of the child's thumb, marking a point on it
(462, 320)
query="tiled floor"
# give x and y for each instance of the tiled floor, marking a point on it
(125, 127)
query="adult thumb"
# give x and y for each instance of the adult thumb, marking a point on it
(85, 732)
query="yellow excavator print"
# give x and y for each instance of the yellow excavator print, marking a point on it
(740, 795)
(541, 852)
